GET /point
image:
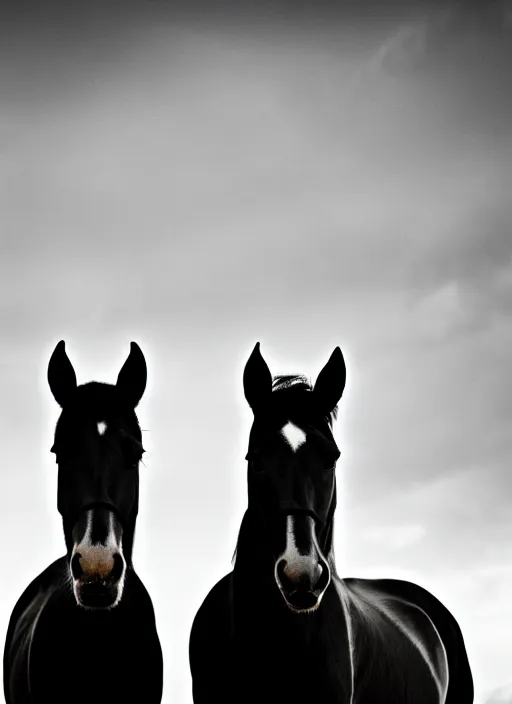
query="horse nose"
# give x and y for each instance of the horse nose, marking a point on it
(98, 574)
(293, 577)
(97, 563)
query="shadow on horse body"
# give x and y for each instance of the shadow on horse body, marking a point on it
(283, 626)
(84, 630)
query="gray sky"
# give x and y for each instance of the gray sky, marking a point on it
(306, 179)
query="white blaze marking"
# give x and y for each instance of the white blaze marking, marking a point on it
(102, 428)
(111, 538)
(297, 563)
(291, 553)
(294, 436)
(86, 540)
(111, 541)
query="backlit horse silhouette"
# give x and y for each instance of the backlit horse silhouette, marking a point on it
(283, 627)
(84, 630)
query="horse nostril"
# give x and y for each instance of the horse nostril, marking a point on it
(317, 575)
(305, 577)
(323, 577)
(285, 581)
(118, 568)
(76, 567)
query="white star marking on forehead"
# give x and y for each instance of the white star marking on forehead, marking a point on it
(294, 436)
(102, 428)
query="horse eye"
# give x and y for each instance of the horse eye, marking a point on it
(59, 452)
(136, 457)
(255, 465)
(330, 466)
(252, 459)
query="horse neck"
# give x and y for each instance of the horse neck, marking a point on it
(252, 549)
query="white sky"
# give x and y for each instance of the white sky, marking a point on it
(200, 186)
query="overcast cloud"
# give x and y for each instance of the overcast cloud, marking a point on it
(197, 182)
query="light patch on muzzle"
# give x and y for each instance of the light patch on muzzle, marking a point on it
(302, 573)
(98, 567)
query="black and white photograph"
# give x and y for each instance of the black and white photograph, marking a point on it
(256, 352)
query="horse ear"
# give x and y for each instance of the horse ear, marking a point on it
(257, 379)
(61, 375)
(330, 383)
(132, 378)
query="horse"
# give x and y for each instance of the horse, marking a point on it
(84, 630)
(282, 626)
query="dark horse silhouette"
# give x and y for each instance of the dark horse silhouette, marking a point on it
(84, 630)
(283, 626)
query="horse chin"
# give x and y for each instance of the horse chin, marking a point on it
(302, 603)
(96, 596)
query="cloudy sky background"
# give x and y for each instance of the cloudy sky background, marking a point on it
(303, 177)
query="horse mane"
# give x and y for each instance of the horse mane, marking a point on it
(285, 381)
(298, 382)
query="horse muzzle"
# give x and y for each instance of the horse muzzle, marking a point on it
(98, 577)
(302, 573)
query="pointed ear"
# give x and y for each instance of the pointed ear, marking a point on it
(132, 378)
(331, 382)
(257, 379)
(61, 375)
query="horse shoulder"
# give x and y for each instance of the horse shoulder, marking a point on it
(213, 616)
(23, 621)
(429, 626)
(32, 597)
(208, 643)
(460, 680)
